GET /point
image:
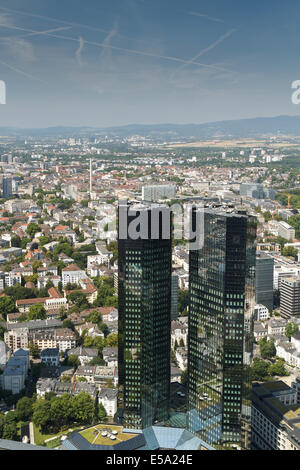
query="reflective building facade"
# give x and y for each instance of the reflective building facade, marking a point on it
(144, 286)
(265, 280)
(222, 298)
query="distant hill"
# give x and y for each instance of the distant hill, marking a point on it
(255, 127)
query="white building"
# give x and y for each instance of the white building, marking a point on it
(72, 274)
(109, 397)
(261, 313)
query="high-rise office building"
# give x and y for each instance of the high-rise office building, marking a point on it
(256, 191)
(144, 287)
(264, 290)
(222, 299)
(174, 296)
(6, 187)
(290, 297)
(157, 192)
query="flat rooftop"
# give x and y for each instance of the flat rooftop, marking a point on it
(94, 435)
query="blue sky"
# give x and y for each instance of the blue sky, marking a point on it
(113, 62)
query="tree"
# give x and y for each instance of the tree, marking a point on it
(184, 377)
(73, 360)
(290, 251)
(79, 299)
(259, 369)
(111, 301)
(61, 410)
(97, 361)
(2, 331)
(267, 216)
(32, 229)
(183, 300)
(34, 350)
(95, 317)
(24, 242)
(7, 305)
(22, 318)
(44, 240)
(16, 241)
(112, 340)
(35, 265)
(278, 369)
(291, 329)
(41, 413)
(83, 408)
(101, 413)
(24, 408)
(267, 348)
(37, 312)
(104, 328)
(172, 356)
(68, 324)
(10, 432)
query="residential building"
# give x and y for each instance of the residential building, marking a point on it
(72, 274)
(50, 356)
(109, 399)
(65, 339)
(16, 339)
(179, 333)
(85, 355)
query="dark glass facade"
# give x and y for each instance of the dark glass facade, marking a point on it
(144, 323)
(222, 298)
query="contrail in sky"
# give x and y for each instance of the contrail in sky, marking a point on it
(32, 77)
(123, 49)
(209, 48)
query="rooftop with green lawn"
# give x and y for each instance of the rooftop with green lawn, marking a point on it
(107, 435)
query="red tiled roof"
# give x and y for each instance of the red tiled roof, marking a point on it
(54, 293)
(40, 300)
(72, 267)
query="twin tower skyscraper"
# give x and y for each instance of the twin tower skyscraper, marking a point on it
(222, 300)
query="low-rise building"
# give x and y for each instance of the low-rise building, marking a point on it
(275, 417)
(45, 385)
(261, 313)
(50, 356)
(85, 355)
(109, 398)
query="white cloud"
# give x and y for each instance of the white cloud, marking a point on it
(78, 53)
(202, 15)
(20, 49)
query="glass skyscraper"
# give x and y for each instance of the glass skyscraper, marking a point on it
(265, 280)
(144, 285)
(222, 298)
